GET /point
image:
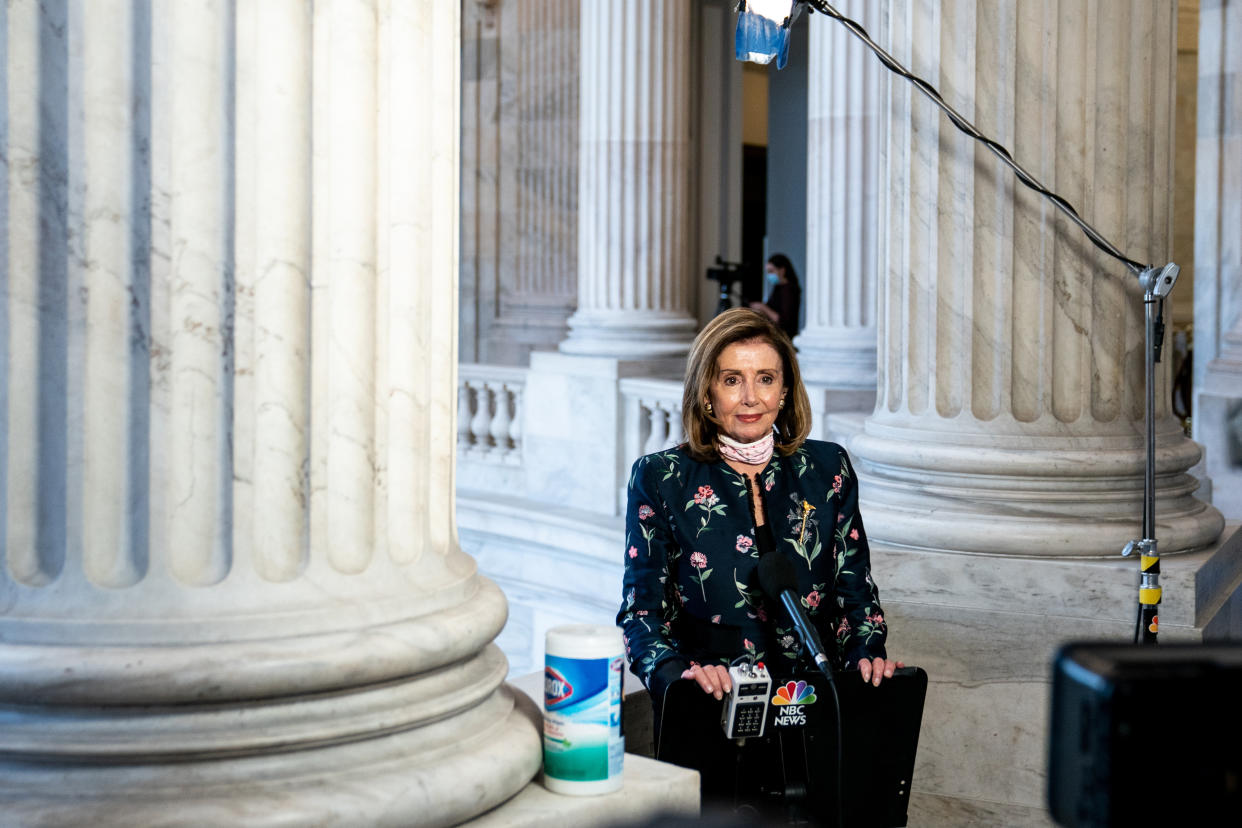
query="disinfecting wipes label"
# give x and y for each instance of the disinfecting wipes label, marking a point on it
(582, 739)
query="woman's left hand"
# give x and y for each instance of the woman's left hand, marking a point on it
(876, 669)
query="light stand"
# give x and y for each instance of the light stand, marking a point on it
(763, 35)
(1156, 283)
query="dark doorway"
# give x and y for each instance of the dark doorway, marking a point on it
(754, 218)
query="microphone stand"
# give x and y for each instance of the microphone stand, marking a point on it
(778, 589)
(1156, 283)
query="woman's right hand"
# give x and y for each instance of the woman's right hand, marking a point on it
(766, 311)
(713, 678)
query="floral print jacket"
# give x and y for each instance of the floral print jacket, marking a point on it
(691, 590)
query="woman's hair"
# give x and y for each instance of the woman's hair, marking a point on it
(782, 261)
(793, 422)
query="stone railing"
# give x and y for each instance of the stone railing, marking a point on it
(489, 413)
(652, 415)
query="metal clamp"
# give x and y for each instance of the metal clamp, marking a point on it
(1159, 281)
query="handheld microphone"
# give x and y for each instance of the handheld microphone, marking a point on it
(777, 579)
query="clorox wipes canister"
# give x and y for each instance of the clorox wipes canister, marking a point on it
(582, 742)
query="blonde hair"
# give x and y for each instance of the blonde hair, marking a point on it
(793, 422)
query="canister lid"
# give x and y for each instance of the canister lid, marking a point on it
(584, 641)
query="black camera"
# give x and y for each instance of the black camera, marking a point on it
(726, 273)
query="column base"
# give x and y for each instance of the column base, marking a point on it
(829, 403)
(629, 334)
(839, 358)
(1218, 426)
(1026, 494)
(436, 775)
(395, 723)
(510, 339)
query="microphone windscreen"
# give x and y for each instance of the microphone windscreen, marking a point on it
(776, 574)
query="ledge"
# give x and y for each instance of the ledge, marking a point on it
(648, 789)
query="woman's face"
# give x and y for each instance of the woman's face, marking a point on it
(747, 389)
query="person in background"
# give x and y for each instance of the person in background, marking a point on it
(784, 304)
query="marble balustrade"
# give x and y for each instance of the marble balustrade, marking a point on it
(652, 415)
(491, 415)
(490, 412)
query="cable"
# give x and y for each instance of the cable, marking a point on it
(967, 127)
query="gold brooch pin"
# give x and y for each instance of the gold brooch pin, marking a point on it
(806, 513)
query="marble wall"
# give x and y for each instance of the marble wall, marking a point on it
(228, 554)
(519, 144)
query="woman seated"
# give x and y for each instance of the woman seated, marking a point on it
(745, 480)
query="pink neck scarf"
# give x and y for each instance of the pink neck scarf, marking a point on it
(755, 454)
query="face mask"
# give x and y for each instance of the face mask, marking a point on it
(771, 277)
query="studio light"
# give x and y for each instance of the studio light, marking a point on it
(763, 30)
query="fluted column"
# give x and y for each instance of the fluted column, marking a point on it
(1010, 401)
(1218, 257)
(519, 177)
(231, 589)
(634, 181)
(539, 187)
(847, 87)
(1218, 176)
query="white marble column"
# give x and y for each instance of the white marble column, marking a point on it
(1218, 254)
(634, 181)
(847, 87)
(1009, 411)
(231, 589)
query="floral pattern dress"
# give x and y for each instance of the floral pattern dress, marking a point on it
(692, 554)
